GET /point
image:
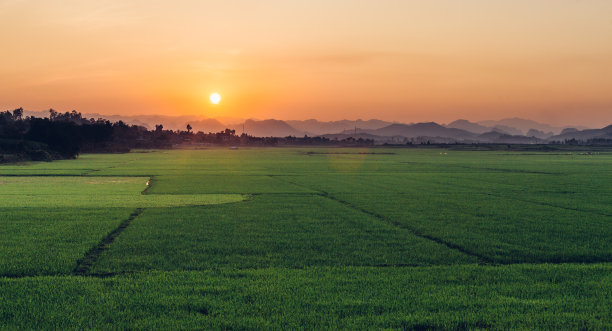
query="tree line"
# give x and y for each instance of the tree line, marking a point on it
(66, 135)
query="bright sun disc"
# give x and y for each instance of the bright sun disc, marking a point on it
(215, 98)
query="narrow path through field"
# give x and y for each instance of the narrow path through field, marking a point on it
(149, 184)
(481, 259)
(85, 263)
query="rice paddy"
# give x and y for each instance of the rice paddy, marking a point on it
(308, 238)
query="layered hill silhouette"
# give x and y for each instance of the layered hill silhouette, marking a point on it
(468, 126)
(583, 135)
(524, 125)
(315, 127)
(266, 128)
(431, 129)
(510, 130)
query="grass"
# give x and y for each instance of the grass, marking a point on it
(91, 192)
(309, 238)
(49, 241)
(295, 232)
(221, 184)
(47, 223)
(443, 297)
(501, 224)
(501, 230)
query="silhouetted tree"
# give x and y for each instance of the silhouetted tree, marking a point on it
(18, 113)
(65, 135)
(52, 114)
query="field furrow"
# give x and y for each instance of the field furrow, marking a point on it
(308, 238)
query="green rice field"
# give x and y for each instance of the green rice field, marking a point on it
(308, 238)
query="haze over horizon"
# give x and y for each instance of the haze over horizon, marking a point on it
(237, 121)
(406, 61)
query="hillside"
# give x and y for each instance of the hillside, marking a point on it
(430, 129)
(266, 128)
(315, 127)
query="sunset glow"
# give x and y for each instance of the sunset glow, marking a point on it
(215, 98)
(403, 60)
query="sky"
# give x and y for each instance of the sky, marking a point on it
(398, 60)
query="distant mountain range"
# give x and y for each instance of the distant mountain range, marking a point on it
(314, 127)
(431, 129)
(463, 131)
(512, 126)
(604, 133)
(436, 133)
(510, 130)
(266, 128)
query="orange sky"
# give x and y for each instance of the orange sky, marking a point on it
(404, 60)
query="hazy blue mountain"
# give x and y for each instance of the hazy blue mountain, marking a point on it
(429, 129)
(568, 130)
(604, 133)
(539, 134)
(507, 130)
(510, 130)
(315, 127)
(468, 126)
(524, 125)
(497, 137)
(266, 128)
(432, 132)
(340, 136)
(207, 125)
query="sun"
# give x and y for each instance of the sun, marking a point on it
(215, 98)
